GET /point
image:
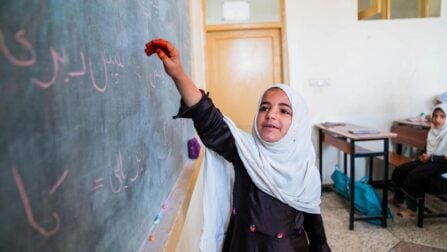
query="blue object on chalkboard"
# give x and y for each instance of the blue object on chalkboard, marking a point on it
(193, 148)
(88, 147)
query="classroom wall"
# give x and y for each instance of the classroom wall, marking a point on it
(376, 71)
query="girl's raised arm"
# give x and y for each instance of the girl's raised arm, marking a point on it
(170, 57)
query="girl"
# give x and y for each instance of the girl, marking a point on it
(413, 176)
(276, 190)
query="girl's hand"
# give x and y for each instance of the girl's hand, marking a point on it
(424, 157)
(168, 55)
(171, 62)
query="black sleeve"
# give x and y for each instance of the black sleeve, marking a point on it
(313, 225)
(438, 159)
(209, 124)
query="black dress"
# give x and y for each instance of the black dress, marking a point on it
(259, 222)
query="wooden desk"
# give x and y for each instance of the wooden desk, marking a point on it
(340, 137)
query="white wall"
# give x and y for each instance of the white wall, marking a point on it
(377, 71)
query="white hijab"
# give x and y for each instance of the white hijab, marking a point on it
(437, 137)
(284, 169)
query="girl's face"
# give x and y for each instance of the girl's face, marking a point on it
(274, 116)
(438, 118)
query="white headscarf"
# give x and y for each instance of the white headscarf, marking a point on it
(285, 170)
(437, 138)
(442, 97)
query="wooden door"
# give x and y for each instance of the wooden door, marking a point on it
(240, 65)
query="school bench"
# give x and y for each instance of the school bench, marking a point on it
(413, 135)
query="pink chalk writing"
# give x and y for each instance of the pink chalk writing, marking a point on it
(59, 182)
(28, 209)
(114, 61)
(119, 180)
(106, 79)
(99, 183)
(119, 174)
(117, 184)
(154, 77)
(138, 72)
(139, 169)
(153, 6)
(19, 36)
(79, 73)
(56, 59)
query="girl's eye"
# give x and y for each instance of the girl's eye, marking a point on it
(264, 108)
(286, 111)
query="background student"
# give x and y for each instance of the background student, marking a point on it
(413, 177)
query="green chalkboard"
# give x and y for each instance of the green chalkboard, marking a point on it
(88, 148)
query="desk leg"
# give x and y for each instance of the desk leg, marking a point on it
(320, 153)
(345, 162)
(352, 187)
(399, 149)
(385, 183)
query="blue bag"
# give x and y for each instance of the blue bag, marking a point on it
(340, 182)
(367, 201)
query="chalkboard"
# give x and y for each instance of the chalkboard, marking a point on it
(88, 147)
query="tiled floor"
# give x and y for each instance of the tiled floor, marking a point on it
(400, 235)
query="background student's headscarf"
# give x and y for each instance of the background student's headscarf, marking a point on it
(284, 169)
(437, 137)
